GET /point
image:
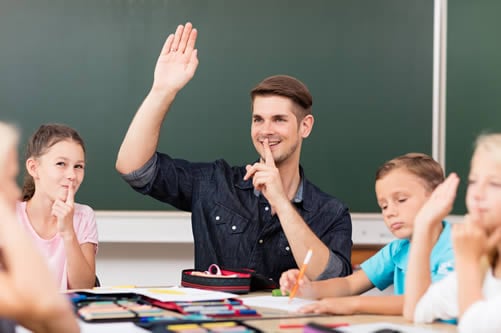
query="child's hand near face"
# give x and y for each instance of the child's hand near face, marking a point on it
(471, 241)
(288, 280)
(439, 204)
(63, 211)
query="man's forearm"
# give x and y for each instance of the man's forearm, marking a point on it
(141, 140)
(301, 239)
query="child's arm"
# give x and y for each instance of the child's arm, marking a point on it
(418, 277)
(354, 284)
(381, 305)
(80, 258)
(29, 294)
(472, 246)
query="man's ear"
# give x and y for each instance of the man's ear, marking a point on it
(306, 126)
(32, 167)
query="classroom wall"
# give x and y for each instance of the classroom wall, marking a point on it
(153, 251)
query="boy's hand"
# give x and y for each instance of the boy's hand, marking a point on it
(288, 280)
(439, 204)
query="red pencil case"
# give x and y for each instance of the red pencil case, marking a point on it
(237, 281)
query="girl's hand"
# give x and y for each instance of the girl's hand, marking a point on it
(63, 212)
(469, 239)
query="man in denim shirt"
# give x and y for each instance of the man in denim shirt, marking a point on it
(263, 216)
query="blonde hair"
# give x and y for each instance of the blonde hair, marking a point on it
(490, 143)
(420, 165)
(9, 137)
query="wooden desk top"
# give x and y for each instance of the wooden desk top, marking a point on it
(273, 325)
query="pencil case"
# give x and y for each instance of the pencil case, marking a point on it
(237, 281)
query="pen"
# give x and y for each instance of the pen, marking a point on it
(301, 274)
(334, 325)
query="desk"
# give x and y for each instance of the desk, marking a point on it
(272, 325)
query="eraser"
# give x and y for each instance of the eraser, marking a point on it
(278, 292)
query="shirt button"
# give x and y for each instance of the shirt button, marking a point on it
(260, 241)
(218, 218)
(266, 208)
(234, 227)
(287, 248)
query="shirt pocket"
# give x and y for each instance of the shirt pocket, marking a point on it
(230, 236)
(228, 221)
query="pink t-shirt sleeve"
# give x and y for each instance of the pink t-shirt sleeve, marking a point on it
(84, 222)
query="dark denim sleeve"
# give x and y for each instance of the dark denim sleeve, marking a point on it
(340, 244)
(168, 180)
(142, 176)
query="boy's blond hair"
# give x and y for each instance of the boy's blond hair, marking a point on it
(421, 165)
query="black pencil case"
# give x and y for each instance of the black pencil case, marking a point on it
(237, 281)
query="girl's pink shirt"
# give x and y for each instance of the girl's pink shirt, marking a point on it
(84, 223)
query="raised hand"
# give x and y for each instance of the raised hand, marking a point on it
(63, 212)
(439, 204)
(178, 60)
(266, 177)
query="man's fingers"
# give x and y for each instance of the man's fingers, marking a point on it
(177, 38)
(250, 172)
(268, 156)
(168, 44)
(185, 37)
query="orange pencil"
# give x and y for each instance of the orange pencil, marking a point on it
(301, 274)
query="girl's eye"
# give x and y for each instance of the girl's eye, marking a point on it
(402, 200)
(79, 166)
(60, 163)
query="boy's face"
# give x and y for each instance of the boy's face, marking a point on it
(483, 196)
(400, 195)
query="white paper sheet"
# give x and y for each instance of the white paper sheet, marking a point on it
(170, 294)
(274, 302)
(373, 327)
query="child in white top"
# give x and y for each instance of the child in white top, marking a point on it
(473, 293)
(64, 231)
(29, 295)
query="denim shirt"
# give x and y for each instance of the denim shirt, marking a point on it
(232, 223)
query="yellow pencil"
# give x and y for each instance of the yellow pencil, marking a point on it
(301, 274)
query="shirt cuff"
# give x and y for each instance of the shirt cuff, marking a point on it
(334, 268)
(144, 175)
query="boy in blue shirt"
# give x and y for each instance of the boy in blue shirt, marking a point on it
(403, 185)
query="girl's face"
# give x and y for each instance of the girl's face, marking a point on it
(400, 195)
(9, 189)
(483, 196)
(59, 168)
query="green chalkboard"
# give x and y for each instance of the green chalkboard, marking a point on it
(473, 82)
(89, 63)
